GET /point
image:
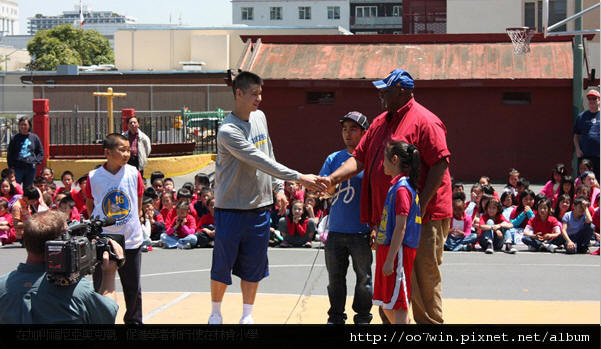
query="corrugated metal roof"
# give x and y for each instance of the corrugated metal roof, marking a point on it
(444, 61)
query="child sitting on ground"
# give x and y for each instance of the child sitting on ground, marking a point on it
(201, 205)
(312, 207)
(596, 232)
(67, 179)
(181, 232)
(563, 206)
(512, 183)
(507, 200)
(589, 180)
(206, 234)
(577, 227)
(296, 227)
(152, 224)
(460, 236)
(553, 186)
(494, 229)
(471, 209)
(7, 231)
(168, 207)
(79, 196)
(544, 230)
(67, 206)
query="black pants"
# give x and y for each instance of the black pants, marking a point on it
(132, 287)
(339, 248)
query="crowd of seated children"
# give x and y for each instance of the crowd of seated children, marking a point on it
(563, 215)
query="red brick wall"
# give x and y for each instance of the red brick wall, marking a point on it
(485, 136)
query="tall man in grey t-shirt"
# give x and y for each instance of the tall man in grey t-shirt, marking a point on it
(246, 179)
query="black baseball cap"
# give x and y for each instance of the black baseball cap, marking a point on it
(357, 117)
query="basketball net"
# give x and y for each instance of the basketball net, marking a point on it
(520, 37)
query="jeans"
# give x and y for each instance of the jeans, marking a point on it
(171, 241)
(458, 244)
(497, 242)
(581, 239)
(25, 175)
(528, 241)
(338, 249)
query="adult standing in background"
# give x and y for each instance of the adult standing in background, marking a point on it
(139, 144)
(25, 152)
(406, 120)
(586, 132)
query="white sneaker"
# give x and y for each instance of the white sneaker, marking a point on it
(215, 319)
(489, 251)
(248, 320)
(551, 248)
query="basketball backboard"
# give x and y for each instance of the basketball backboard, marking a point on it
(550, 30)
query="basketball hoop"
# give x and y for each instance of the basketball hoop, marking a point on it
(520, 37)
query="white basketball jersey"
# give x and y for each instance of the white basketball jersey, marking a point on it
(116, 195)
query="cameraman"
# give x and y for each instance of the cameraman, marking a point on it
(27, 297)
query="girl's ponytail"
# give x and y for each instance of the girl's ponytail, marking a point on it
(415, 165)
(409, 156)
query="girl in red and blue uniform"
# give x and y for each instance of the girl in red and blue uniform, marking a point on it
(398, 233)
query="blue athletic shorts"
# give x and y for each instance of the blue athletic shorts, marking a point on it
(240, 248)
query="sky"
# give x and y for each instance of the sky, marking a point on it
(198, 13)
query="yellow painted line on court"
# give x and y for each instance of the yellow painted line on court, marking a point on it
(195, 308)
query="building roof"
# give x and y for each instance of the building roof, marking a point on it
(427, 58)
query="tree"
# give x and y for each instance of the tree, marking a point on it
(67, 45)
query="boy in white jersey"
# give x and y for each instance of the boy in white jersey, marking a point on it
(115, 190)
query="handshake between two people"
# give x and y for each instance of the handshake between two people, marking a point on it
(323, 186)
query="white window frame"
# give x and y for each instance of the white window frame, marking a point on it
(371, 11)
(397, 10)
(333, 12)
(275, 13)
(304, 12)
(247, 12)
(538, 13)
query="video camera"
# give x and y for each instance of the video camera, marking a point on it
(78, 251)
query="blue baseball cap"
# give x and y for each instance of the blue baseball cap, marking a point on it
(397, 77)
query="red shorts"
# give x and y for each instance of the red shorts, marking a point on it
(394, 291)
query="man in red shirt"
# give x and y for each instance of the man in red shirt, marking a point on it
(406, 120)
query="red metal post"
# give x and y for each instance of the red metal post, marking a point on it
(41, 127)
(125, 114)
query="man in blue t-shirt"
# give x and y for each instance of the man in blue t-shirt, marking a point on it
(586, 132)
(347, 235)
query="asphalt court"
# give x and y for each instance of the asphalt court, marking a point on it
(526, 288)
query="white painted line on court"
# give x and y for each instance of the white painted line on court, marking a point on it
(165, 306)
(207, 270)
(443, 265)
(528, 265)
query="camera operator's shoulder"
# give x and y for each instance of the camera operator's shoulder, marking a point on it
(97, 308)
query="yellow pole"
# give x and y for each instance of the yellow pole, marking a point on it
(109, 95)
(109, 103)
